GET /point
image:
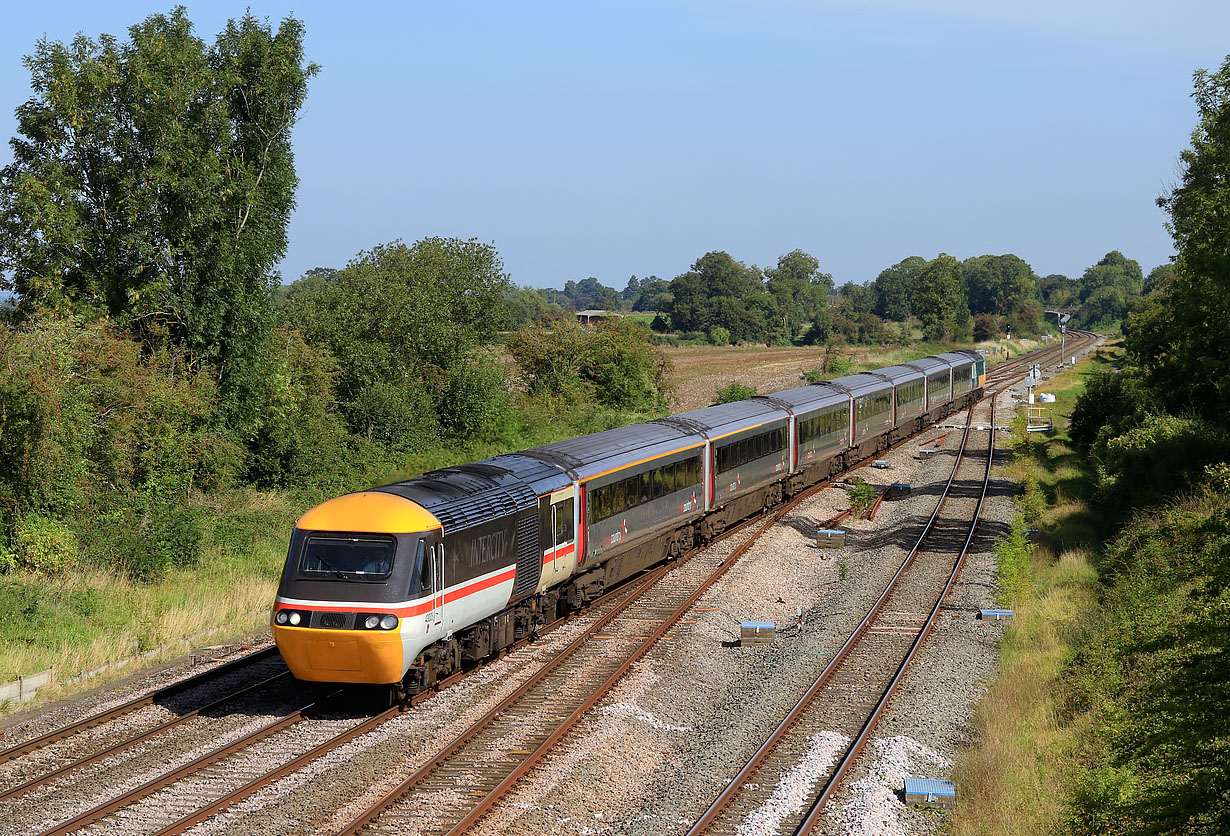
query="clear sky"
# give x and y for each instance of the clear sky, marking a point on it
(619, 138)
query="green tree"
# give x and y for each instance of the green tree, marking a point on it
(525, 304)
(152, 181)
(1191, 368)
(654, 295)
(893, 286)
(613, 364)
(998, 284)
(719, 291)
(799, 288)
(403, 321)
(938, 299)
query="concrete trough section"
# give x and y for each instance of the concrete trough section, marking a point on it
(753, 633)
(1003, 616)
(931, 792)
(830, 538)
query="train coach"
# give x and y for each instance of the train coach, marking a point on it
(408, 583)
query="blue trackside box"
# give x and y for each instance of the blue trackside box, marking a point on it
(996, 615)
(932, 791)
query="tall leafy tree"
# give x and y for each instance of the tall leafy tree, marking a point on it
(800, 288)
(721, 292)
(1184, 348)
(938, 299)
(892, 288)
(153, 178)
(1108, 289)
(406, 324)
(998, 284)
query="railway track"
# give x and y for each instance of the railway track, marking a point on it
(820, 737)
(627, 624)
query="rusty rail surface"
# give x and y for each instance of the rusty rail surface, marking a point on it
(132, 705)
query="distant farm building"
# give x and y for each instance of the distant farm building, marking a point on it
(594, 317)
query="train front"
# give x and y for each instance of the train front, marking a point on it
(352, 605)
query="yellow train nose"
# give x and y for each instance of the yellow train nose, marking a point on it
(361, 656)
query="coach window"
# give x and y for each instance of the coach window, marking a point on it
(563, 521)
(424, 567)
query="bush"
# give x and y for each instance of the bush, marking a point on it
(297, 436)
(719, 335)
(1112, 403)
(734, 391)
(45, 545)
(1155, 460)
(613, 365)
(475, 398)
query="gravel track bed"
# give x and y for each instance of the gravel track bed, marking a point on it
(447, 794)
(82, 789)
(90, 741)
(326, 794)
(929, 719)
(659, 747)
(29, 724)
(780, 791)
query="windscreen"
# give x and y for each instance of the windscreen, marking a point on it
(348, 558)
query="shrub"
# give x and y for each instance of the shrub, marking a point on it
(45, 545)
(719, 335)
(1112, 403)
(734, 391)
(475, 398)
(1156, 459)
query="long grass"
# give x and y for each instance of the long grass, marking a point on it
(1015, 779)
(90, 617)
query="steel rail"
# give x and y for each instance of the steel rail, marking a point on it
(129, 742)
(816, 811)
(490, 800)
(149, 787)
(736, 785)
(132, 705)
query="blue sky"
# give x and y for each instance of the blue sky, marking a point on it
(611, 139)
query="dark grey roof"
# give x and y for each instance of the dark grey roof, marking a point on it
(809, 397)
(957, 358)
(862, 384)
(929, 365)
(542, 477)
(587, 455)
(726, 418)
(899, 374)
(466, 495)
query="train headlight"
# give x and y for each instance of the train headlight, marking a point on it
(295, 618)
(388, 622)
(281, 617)
(371, 621)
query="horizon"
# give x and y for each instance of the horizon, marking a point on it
(619, 140)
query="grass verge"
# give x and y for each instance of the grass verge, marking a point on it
(1014, 780)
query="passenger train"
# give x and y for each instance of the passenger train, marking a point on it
(407, 583)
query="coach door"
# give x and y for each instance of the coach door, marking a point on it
(436, 555)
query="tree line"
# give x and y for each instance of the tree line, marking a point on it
(150, 360)
(1149, 683)
(720, 300)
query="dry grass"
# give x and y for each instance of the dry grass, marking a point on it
(131, 619)
(1013, 781)
(1010, 781)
